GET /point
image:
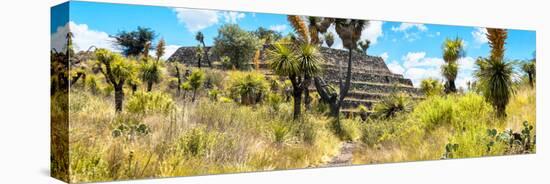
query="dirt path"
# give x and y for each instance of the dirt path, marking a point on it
(345, 156)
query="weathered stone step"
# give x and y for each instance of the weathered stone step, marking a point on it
(353, 112)
(350, 103)
(373, 96)
(380, 88)
(371, 77)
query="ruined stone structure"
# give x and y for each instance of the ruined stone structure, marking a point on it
(371, 78)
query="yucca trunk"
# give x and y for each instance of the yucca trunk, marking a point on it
(194, 95)
(149, 86)
(450, 87)
(297, 93)
(119, 97)
(531, 81)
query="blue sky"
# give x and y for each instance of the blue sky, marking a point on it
(413, 50)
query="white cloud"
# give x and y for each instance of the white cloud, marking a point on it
(479, 35)
(373, 32)
(466, 63)
(58, 39)
(406, 26)
(232, 17)
(384, 56)
(83, 38)
(169, 50)
(408, 33)
(416, 66)
(278, 28)
(196, 20)
(395, 67)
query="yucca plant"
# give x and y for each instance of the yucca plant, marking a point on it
(195, 81)
(151, 73)
(329, 39)
(200, 38)
(453, 49)
(251, 87)
(529, 68)
(495, 76)
(297, 62)
(495, 82)
(117, 70)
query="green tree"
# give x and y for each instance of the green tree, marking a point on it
(200, 38)
(116, 70)
(136, 42)
(431, 87)
(267, 36)
(161, 47)
(452, 51)
(195, 81)
(494, 74)
(237, 44)
(151, 73)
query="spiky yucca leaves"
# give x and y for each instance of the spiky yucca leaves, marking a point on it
(364, 46)
(151, 73)
(495, 82)
(299, 27)
(195, 81)
(282, 60)
(349, 31)
(497, 39)
(392, 105)
(431, 87)
(298, 63)
(200, 38)
(329, 39)
(529, 68)
(453, 49)
(116, 70)
(251, 87)
(309, 59)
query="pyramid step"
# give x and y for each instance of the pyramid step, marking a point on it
(371, 76)
(380, 87)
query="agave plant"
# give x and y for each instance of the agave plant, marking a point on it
(392, 105)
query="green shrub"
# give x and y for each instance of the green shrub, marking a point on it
(197, 142)
(274, 101)
(435, 111)
(281, 132)
(351, 129)
(147, 103)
